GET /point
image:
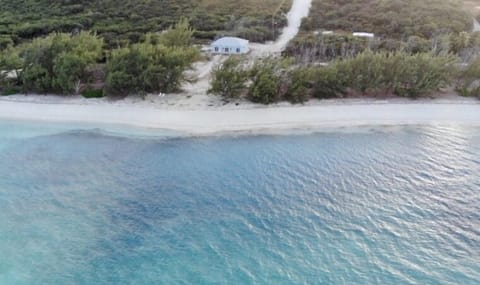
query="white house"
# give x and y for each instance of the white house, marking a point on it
(230, 45)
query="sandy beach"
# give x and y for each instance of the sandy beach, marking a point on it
(198, 116)
(193, 112)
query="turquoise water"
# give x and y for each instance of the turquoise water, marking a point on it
(353, 206)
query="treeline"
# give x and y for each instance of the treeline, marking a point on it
(121, 22)
(397, 19)
(318, 47)
(367, 74)
(438, 26)
(71, 64)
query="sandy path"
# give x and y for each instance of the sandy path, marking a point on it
(300, 9)
(476, 25)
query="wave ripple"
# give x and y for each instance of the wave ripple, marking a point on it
(371, 206)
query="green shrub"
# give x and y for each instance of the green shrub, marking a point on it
(93, 93)
(468, 82)
(329, 83)
(229, 78)
(311, 47)
(268, 77)
(420, 74)
(300, 83)
(59, 62)
(121, 22)
(125, 70)
(265, 86)
(157, 65)
(404, 74)
(365, 72)
(397, 19)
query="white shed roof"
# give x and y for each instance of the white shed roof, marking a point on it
(365, 35)
(230, 41)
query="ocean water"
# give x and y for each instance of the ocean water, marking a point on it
(393, 205)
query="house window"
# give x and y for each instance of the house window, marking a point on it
(226, 50)
(216, 49)
(238, 50)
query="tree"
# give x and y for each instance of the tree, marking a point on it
(59, 62)
(420, 74)
(229, 78)
(181, 35)
(265, 86)
(328, 83)
(10, 67)
(268, 77)
(124, 70)
(148, 67)
(300, 83)
(468, 83)
(70, 71)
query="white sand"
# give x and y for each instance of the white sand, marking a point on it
(202, 119)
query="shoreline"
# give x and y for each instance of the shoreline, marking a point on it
(245, 117)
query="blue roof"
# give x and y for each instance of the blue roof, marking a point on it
(230, 41)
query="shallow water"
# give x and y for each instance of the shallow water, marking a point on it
(358, 206)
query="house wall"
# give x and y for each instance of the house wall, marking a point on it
(221, 49)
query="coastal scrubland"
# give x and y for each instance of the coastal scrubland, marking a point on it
(368, 74)
(121, 22)
(61, 63)
(473, 6)
(431, 47)
(397, 19)
(407, 25)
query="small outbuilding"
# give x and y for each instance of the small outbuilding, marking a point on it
(364, 35)
(230, 45)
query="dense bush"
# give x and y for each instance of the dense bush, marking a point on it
(267, 78)
(123, 21)
(57, 63)
(10, 65)
(229, 78)
(329, 82)
(312, 47)
(157, 65)
(146, 67)
(367, 74)
(468, 83)
(317, 47)
(265, 86)
(5, 41)
(299, 84)
(401, 73)
(67, 64)
(397, 19)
